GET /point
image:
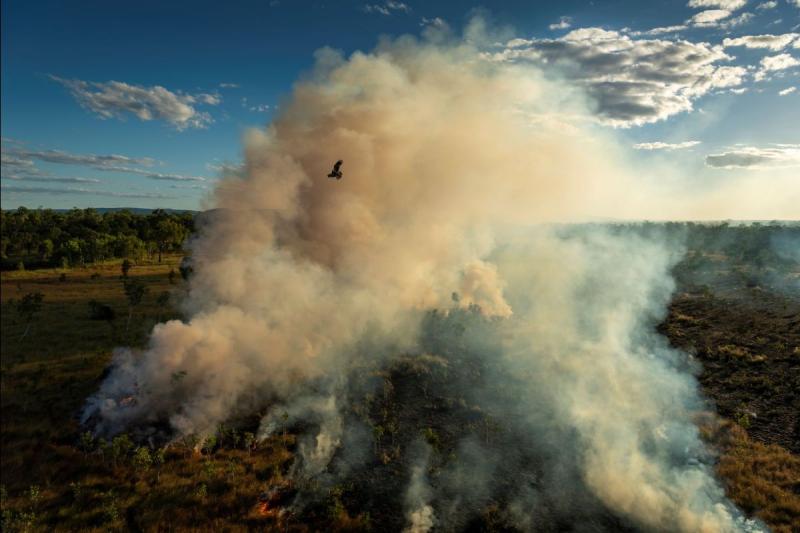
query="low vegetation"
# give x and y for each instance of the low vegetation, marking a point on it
(61, 325)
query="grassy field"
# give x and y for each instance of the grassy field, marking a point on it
(50, 479)
(55, 477)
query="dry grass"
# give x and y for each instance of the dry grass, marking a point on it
(47, 375)
(48, 482)
(762, 480)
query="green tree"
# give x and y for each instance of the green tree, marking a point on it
(134, 291)
(27, 308)
(121, 445)
(167, 235)
(142, 460)
(126, 267)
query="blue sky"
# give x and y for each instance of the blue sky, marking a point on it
(168, 88)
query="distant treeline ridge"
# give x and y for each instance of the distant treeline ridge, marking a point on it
(40, 238)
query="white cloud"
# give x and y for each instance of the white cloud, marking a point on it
(229, 85)
(662, 30)
(730, 5)
(658, 145)
(89, 160)
(81, 191)
(562, 24)
(763, 6)
(734, 22)
(710, 17)
(116, 99)
(435, 22)
(631, 81)
(775, 63)
(776, 156)
(22, 161)
(795, 3)
(788, 90)
(773, 42)
(257, 108)
(387, 7)
(36, 175)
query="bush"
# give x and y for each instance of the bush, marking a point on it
(100, 311)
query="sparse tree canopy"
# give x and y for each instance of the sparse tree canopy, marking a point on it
(27, 308)
(46, 238)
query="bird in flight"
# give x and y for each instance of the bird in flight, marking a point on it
(336, 173)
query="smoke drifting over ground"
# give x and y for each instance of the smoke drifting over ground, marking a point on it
(300, 279)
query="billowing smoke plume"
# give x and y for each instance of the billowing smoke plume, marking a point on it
(452, 168)
(419, 515)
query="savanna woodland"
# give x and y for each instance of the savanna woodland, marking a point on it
(78, 284)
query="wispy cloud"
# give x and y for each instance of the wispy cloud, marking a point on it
(660, 30)
(116, 99)
(763, 6)
(562, 24)
(67, 191)
(387, 8)
(788, 90)
(45, 177)
(772, 42)
(436, 22)
(753, 157)
(20, 158)
(730, 5)
(257, 108)
(658, 145)
(89, 160)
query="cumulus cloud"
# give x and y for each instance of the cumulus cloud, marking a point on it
(81, 191)
(631, 81)
(775, 63)
(709, 17)
(753, 157)
(658, 145)
(730, 5)
(773, 42)
(115, 99)
(387, 8)
(763, 6)
(562, 24)
(786, 91)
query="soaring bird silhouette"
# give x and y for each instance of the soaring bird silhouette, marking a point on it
(336, 173)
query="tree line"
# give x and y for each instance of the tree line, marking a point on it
(39, 238)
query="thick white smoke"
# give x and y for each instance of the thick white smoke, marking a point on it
(294, 273)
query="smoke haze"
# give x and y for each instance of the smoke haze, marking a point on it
(454, 168)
